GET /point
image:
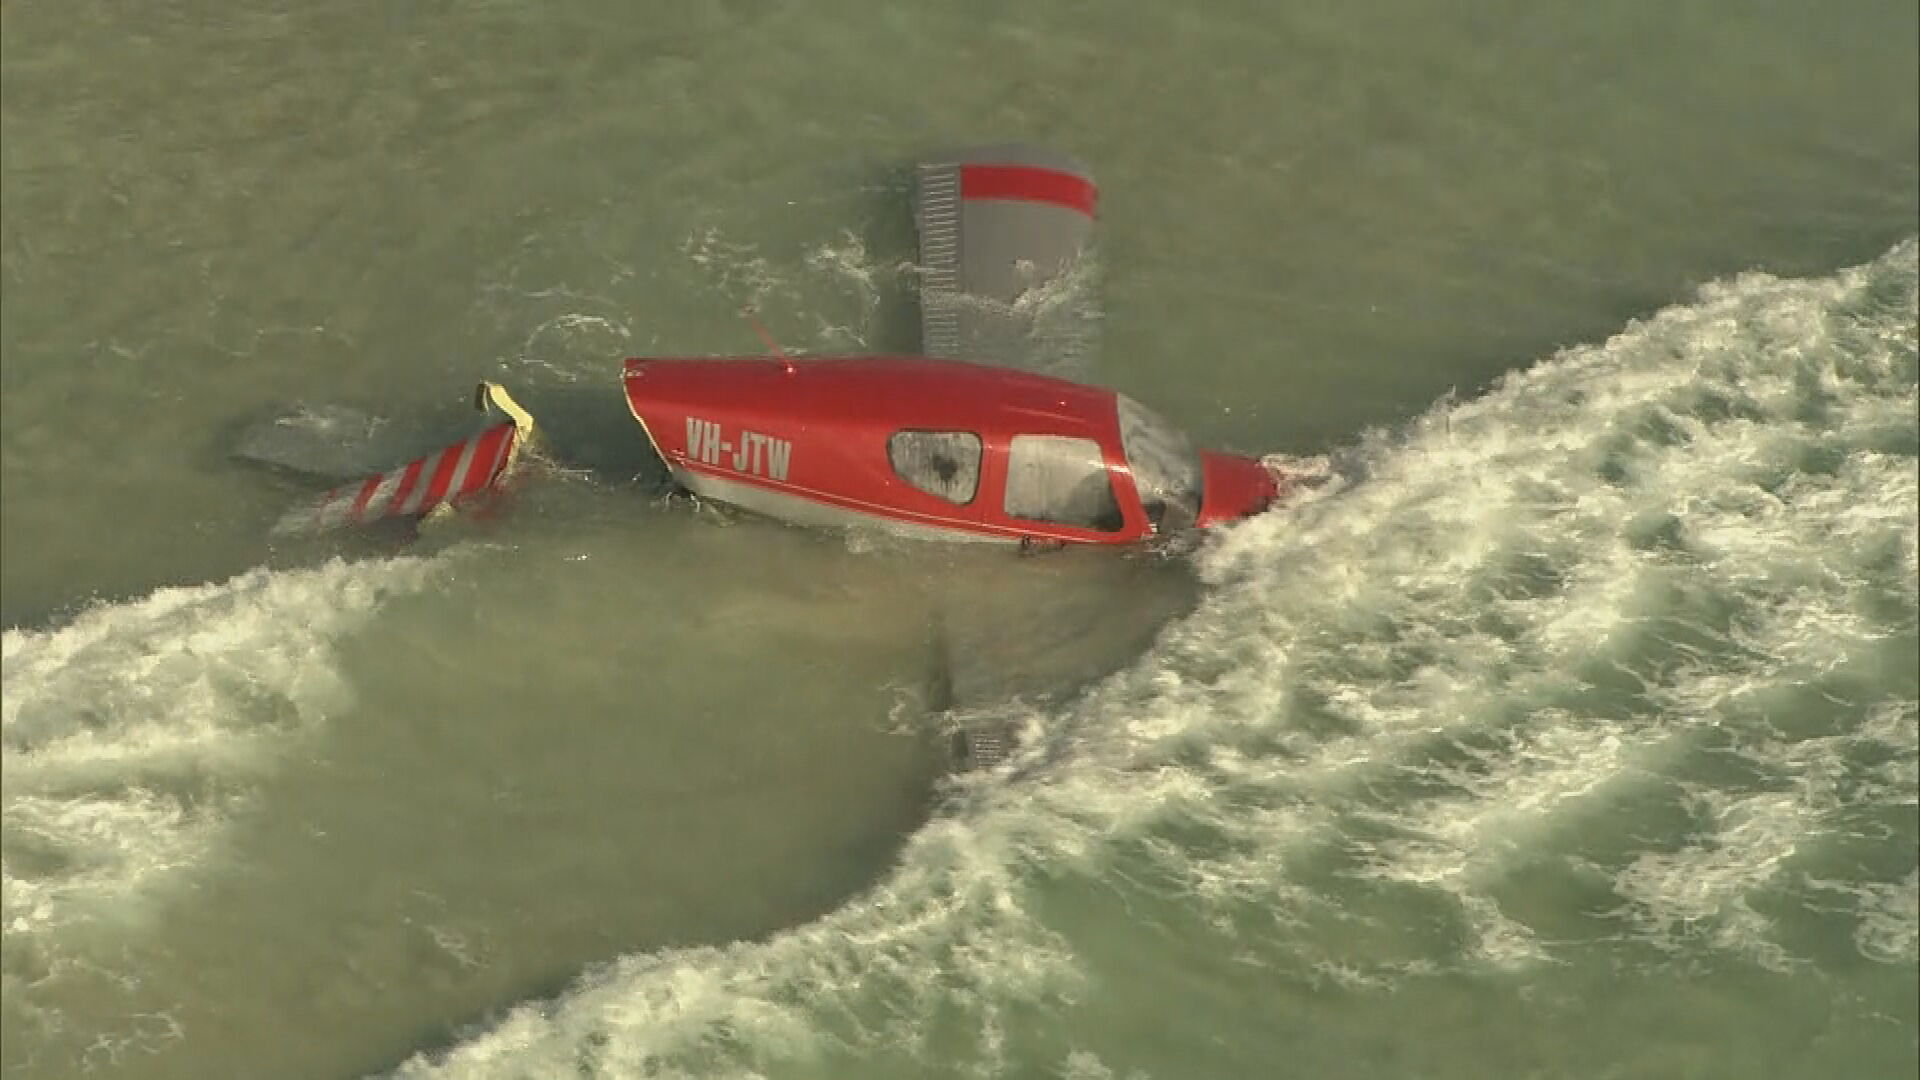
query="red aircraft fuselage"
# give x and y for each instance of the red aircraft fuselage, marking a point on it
(932, 447)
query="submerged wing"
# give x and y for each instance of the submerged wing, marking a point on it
(1042, 629)
(1003, 238)
(326, 442)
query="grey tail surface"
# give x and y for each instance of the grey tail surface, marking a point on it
(1004, 231)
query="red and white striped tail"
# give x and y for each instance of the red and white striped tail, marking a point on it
(449, 477)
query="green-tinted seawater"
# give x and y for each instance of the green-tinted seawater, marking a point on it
(1571, 732)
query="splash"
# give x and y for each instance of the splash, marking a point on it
(1637, 624)
(573, 347)
(1053, 327)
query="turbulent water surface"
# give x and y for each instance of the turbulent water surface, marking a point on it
(1568, 730)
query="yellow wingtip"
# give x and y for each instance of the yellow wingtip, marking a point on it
(492, 394)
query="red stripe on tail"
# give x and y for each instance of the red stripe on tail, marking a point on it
(486, 460)
(367, 488)
(408, 481)
(442, 478)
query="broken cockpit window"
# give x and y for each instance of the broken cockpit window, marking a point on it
(1062, 480)
(1165, 469)
(942, 463)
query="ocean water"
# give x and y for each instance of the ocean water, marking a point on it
(1571, 729)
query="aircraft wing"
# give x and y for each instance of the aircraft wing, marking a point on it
(1004, 232)
(1032, 632)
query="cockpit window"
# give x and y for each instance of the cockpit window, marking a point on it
(1165, 469)
(942, 463)
(1062, 480)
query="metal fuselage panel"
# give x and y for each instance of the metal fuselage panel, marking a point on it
(805, 439)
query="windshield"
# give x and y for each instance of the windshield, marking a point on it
(1165, 468)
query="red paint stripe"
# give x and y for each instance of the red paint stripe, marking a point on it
(486, 456)
(371, 485)
(407, 481)
(442, 477)
(1028, 183)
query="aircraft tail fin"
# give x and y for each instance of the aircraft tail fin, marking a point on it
(450, 477)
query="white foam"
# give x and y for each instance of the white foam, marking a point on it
(131, 732)
(737, 270)
(846, 265)
(575, 346)
(1483, 563)
(1052, 327)
(1702, 891)
(1888, 914)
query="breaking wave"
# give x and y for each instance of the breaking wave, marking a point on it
(132, 733)
(1612, 664)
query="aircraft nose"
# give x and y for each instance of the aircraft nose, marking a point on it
(1233, 487)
